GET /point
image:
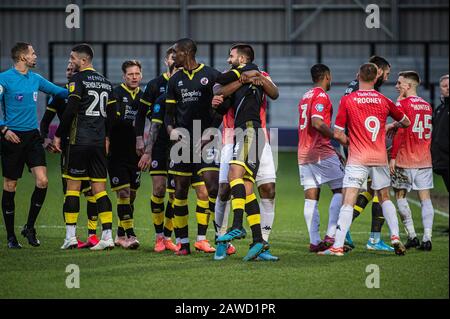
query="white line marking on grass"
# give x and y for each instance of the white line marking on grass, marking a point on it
(436, 211)
(417, 203)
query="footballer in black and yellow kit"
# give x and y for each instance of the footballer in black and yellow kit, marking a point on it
(188, 109)
(249, 141)
(84, 121)
(56, 107)
(124, 173)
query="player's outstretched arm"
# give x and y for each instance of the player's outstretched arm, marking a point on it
(50, 88)
(227, 90)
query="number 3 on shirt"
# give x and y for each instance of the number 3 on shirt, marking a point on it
(303, 108)
(372, 124)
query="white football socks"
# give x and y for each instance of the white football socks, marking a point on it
(311, 214)
(71, 231)
(405, 214)
(390, 215)
(267, 207)
(107, 234)
(343, 225)
(333, 214)
(427, 219)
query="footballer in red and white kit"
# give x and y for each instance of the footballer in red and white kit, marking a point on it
(364, 113)
(410, 164)
(317, 159)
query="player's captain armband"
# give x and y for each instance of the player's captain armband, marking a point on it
(71, 87)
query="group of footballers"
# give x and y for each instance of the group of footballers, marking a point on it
(361, 126)
(208, 131)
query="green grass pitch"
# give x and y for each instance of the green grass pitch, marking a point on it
(40, 272)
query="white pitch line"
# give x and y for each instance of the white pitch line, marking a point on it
(436, 211)
(417, 203)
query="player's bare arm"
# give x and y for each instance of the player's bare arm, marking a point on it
(320, 126)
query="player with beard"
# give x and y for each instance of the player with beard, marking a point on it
(57, 106)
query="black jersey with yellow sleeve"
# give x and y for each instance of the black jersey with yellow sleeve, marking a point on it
(247, 100)
(191, 92)
(122, 133)
(154, 89)
(55, 107)
(94, 92)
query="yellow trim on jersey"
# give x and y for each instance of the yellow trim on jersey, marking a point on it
(171, 101)
(148, 112)
(118, 188)
(132, 93)
(207, 169)
(170, 190)
(88, 69)
(75, 96)
(97, 180)
(111, 102)
(165, 76)
(191, 76)
(145, 102)
(157, 121)
(73, 178)
(237, 73)
(51, 109)
(179, 173)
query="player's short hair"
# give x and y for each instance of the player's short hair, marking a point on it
(318, 72)
(368, 72)
(84, 48)
(244, 49)
(170, 51)
(380, 62)
(18, 49)
(444, 77)
(187, 45)
(410, 75)
(130, 63)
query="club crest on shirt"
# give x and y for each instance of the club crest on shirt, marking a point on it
(156, 108)
(204, 81)
(19, 97)
(125, 99)
(180, 83)
(154, 164)
(115, 180)
(319, 107)
(71, 87)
